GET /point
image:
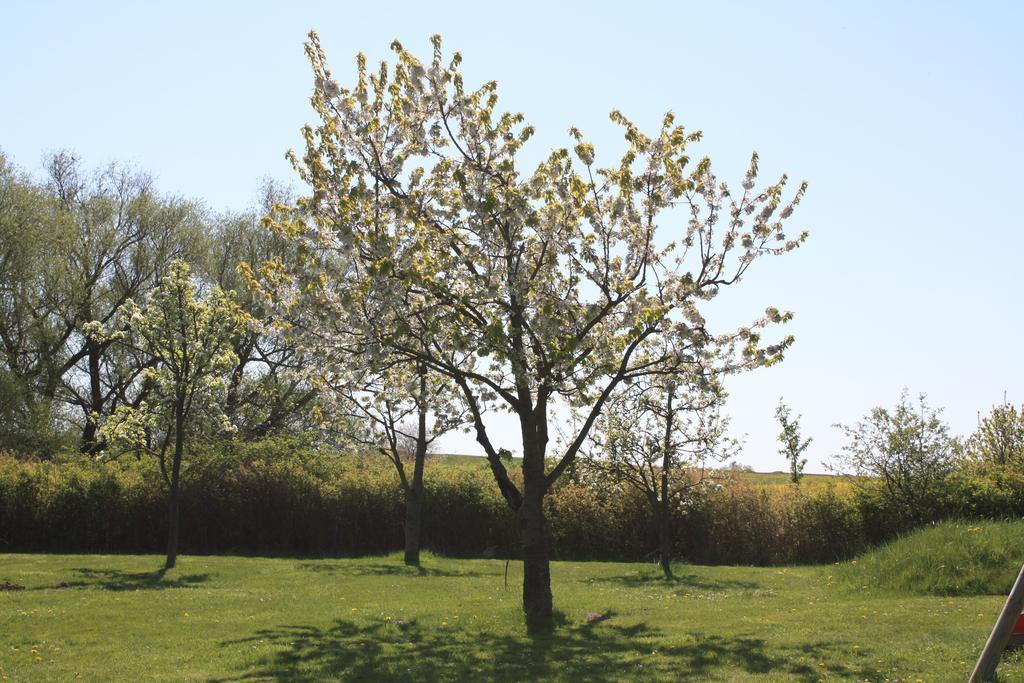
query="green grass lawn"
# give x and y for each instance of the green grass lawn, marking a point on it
(231, 618)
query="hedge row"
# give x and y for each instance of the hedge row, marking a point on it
(263, 506)
(274, 499)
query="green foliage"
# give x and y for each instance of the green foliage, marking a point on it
(29, 359)
(78, 505)
(908, 450)
(999, 439)
(951, 558)
(28, 422)
(80, 245)
(73, 249)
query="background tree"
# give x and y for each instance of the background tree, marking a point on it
(269, 391)
(659, 434)
(999, 438)
(30, 355)
(76, 248)
(188, 337)
(121, 238)
(372, 396)
(554, 277)
(906, 449)
(399, 410)
(793, 446)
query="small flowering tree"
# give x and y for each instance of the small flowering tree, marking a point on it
(399, 410)
(661, 433)
(186, 339)
(793, 445)
(553, 277)
(369, 395)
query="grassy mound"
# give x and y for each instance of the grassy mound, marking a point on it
(952, 558)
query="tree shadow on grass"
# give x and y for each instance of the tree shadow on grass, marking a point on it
(603, 651)
(383, 569)
(115, 580)
(651, 578)
(808, 662)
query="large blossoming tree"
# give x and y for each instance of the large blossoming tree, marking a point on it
(552, 277)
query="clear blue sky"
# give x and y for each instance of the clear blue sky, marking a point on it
(905, 118)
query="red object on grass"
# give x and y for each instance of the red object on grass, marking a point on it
(1018, 628)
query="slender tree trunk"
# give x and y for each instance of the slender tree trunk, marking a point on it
(414, 492)
(665, 538)
(663, 504)
(173, 505)
(172, 528)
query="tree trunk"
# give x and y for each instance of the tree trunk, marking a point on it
(414, 490)
(665, 538)
(89, 443)
(172, 528)
(413, 517)
(172, 508)
(663, 504)
(537, 602)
